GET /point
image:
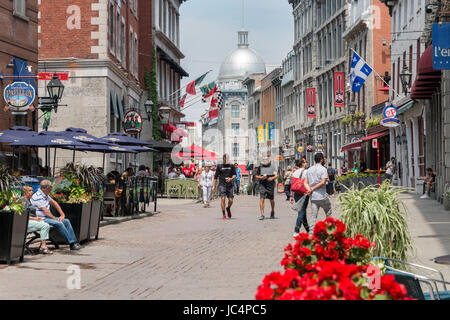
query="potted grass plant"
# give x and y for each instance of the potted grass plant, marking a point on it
(13, 218)
(380, 216)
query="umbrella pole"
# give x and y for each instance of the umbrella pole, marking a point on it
(103, 161)
(54, 161)
(73, 158)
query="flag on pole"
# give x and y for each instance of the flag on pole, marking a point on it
(183, 100)
(359, 72)
(190, 88)
(208, 90)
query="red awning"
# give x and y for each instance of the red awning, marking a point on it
(428, 79)
(384, 89)
(181, 132)
(352, 146)
(376, 135)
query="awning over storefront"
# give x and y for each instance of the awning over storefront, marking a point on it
(352, 146)
(405, 107)
(428, 79)
(375, 136)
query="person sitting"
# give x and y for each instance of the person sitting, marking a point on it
(35, 223)
(428, 183)
(42, 202)
(180, 174)
(343, 170)
(355, 168)
(362, 166)
(172, 174)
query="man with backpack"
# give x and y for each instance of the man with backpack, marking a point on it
(331, 179)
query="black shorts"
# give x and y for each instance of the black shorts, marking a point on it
(266, 193)
(226, 191)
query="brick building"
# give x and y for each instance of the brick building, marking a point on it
(18, 42)
(105, 46)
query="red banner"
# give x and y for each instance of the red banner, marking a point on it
(339, 92)
(311, 102)
(63, 76)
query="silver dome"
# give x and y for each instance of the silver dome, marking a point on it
(241, 61)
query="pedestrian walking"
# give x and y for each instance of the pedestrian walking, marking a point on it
(267, 174)
(255, 182)
(237, 181)
(206, 182)
(198, 177)
(226, 173)
(390, 169)
(300, 173)
(331, 179)
(287, 182)
(315, 183)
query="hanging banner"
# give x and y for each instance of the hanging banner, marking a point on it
(311, 102)
(339, 101)
(260, 134)
(441, 46)
(271, 130)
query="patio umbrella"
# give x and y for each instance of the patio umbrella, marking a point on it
(48, 139)
(82, 136)
(122, 139)
(16, 134)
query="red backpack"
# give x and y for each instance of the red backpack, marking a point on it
(298, 184)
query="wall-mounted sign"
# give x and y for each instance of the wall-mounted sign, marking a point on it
(390, 116)
(311, 102)
(441, 46)
(309, 148)
(375, 143)
(339, 100)
(19, 96)
(132, 123)
(63, 76)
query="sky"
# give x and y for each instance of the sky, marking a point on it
(208, 33)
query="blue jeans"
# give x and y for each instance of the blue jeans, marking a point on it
(301, 218)
(64, 228)
(236, 185)
(287, 191)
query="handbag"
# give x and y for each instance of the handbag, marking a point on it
(298, 184)
(299, 204)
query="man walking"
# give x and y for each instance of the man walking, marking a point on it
(315, 183)
(287, 182)
(237, 181)
(267, 175)
(226, 173)
(331, 179)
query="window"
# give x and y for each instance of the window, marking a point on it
(111, 27)
(131, 52)
(235, 112)
(124, 45)
(118, 39)
(235, 150)
(136, 53)
(235, 129)
(20, 7)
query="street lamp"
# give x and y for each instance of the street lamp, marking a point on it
(149, 108)
(352, 107)
(55, 88)
(406, 77)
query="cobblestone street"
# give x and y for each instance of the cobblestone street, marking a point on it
(184, 252)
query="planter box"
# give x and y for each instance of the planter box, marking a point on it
(79, 215)
(13, 231)
(446, 203)
(94, 222)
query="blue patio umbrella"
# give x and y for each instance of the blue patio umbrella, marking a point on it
(82, 135)
(122, 139)
(16, 134)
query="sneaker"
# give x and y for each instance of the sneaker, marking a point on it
(224, 217)
(76, 246)
(425, 196)
(295, 234)
(261, 217)
(229, 212)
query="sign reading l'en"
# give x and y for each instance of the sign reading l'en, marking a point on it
(441, 46)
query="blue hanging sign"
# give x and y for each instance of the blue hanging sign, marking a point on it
(19, 96)
(271, 130)
(441, 46)
(390, 113)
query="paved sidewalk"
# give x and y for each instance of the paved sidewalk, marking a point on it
(188, 252)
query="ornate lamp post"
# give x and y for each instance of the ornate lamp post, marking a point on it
(406, 77)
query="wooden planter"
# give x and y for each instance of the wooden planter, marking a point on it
(94, 221)
(13, 232)
(79, 215)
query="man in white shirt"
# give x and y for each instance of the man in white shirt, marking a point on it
(315, 183)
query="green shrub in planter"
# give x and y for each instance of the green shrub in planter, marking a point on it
(380, 216)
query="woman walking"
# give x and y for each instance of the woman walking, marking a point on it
(198, 177)
(206, 182)
(300, 173)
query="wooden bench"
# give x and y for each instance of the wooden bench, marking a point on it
(34, 236)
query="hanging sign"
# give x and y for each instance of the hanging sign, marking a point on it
(339, 101)
(390, 113)
(311, 102)
(309, 148)
(19, 96)
(441, 46)
(375, 143)
(132, 123)
(261, 134)
(271, 127)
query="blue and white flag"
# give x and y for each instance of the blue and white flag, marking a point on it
(359, 72)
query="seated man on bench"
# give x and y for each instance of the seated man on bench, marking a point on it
(429, 182)
(42, 202)
(35, 223)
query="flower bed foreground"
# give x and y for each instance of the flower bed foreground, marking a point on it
(329, 266)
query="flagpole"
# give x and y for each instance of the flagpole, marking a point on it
(187, 85)
(382, 79)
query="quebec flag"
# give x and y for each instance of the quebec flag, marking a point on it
(359, 72)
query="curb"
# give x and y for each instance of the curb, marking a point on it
(127, 218)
